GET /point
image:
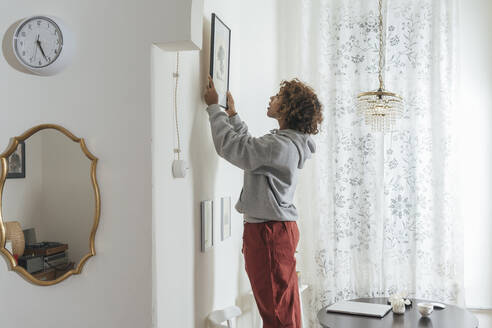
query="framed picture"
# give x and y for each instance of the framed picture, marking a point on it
(225, 205)
(220, 58)
(207, 218)
(16, 163)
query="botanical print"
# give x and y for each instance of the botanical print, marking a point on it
(207, 225)
(221, 61)
(15, 161)
(16, 166)
(226, 217)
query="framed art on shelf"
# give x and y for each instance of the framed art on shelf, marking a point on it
(16, 163)
(225, 204)
(220, 58)
(207, 220)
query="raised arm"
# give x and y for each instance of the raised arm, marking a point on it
(238, 125)
(238, 147)
(230, 134)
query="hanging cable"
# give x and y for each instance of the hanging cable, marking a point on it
(381, 46)
(176, 76)
(381, 108)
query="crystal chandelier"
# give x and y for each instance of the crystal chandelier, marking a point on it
(381, 108)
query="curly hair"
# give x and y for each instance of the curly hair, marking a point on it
(300, 107)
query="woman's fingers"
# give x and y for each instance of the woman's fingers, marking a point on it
(230, 99)
(210, 95)
(211, 82)
(209, 85)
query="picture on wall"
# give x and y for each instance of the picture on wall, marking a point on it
(207, 219)
(16, 163)
(225, 203)
(220, 57)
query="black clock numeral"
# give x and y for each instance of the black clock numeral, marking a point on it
(39, 23)
(56, 50)
(39, 63)
(23, 33)
(30, 26)
(24, 53)
(22, 43)
(49, 59)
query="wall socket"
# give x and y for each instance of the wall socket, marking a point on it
(180, 167)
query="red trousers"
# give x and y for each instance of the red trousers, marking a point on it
(269, 250)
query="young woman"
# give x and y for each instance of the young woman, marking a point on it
(270, 165)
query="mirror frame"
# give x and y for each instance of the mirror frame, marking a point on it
(3, 158)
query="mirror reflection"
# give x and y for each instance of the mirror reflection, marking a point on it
(48, 204)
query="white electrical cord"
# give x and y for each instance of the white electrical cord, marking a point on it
(176, 75)
(179, 166)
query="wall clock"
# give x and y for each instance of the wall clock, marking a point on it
(43, 44)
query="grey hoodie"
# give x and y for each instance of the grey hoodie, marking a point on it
(270, 165)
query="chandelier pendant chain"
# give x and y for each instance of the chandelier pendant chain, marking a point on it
(380, 108)
(381, 46)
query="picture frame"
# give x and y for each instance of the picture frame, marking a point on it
(225, 210)
(16, 162)
(207, 225)
(220, 58)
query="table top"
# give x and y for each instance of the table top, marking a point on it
(450, 317)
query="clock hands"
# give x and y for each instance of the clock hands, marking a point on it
(41, 48)
(35, 49)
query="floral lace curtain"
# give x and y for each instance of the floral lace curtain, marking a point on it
(378, 213)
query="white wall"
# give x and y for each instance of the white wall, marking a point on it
(190, 284)
(259, 63)
(103, 96)
(474, 132)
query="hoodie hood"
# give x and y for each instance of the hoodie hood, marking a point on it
(303, 141)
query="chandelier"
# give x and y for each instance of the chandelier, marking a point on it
(380, 108)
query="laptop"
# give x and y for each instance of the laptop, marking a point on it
(360, 308)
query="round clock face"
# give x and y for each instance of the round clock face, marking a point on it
(38, 42)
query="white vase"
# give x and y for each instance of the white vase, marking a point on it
(398, 306)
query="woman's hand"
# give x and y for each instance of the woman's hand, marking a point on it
(231, 108)
(211, 96)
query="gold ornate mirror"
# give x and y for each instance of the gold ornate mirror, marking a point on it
(49, 205)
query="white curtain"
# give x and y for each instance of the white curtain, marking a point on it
(378, 213)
